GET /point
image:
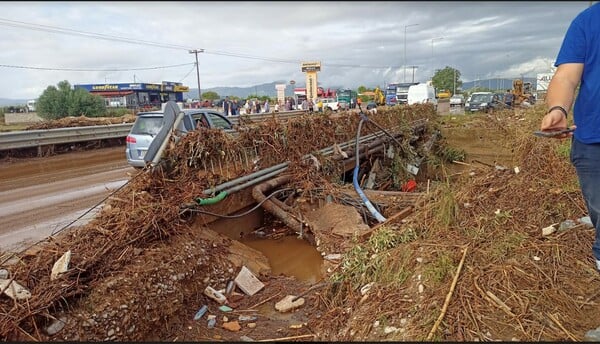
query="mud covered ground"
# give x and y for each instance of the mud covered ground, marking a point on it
(461, 258)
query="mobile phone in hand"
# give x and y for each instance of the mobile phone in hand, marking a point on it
(552, 133)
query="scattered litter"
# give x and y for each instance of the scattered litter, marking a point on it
(517, 170)
(212, 321)
(536, 258)
(365, 289)
(215, 295)
(586, 220)
(549, 230)
(296, 326)
(61, 265)
(247, 318)
(333, 256)
(247, 282)
(225, 308)
(566, 224)
(390, 329)
(201, 312)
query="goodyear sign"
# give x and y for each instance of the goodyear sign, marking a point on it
(165, 87)
(311, 66)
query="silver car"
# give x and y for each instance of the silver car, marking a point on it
(148, 124)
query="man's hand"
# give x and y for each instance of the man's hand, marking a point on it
(555, 120)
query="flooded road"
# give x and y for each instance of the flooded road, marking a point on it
(41, 196)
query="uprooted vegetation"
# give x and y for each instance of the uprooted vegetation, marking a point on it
(468, 263)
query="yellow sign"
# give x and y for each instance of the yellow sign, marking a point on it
(180, 88)
(311, 66)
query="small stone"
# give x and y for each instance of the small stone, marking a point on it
(111, 332)
(251, 325)
(4, 274)
(376, 323)
(389, 329)
(232, 326)
(419, 260)
(421, 288)
(56, 326)
(246, 339)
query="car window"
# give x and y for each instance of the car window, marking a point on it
(219, 121)
(200, 121)
(147, 125)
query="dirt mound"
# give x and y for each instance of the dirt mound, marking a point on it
(81, 121)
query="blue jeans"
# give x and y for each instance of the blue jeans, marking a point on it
(586, 159)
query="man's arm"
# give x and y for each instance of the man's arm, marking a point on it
(561, 92)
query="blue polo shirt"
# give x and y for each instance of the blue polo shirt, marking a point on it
(582, 45)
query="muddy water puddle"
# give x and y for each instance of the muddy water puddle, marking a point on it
(290, 256)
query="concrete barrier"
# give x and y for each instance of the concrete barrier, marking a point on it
(19, 118)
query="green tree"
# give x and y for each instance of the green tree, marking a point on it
(210, 95)
(446, 79)
(62, 101)
(361, 89)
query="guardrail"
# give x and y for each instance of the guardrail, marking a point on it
(37, 138)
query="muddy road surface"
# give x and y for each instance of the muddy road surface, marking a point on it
(41, 196)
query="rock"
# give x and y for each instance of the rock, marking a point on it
(246, 339)
(586, 220)
(4, 274)
(232, 326)
(421, 288)
(592, 335)
(251, 325)
(286, 304)
(14, 290)
(111, 332)
(56, 325)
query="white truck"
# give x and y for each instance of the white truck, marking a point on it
(31, 105)
(330, 104)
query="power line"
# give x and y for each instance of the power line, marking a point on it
(94, 70)
(87, 34)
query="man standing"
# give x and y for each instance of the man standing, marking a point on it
(578, 65)
(226, 106)
(508, 99)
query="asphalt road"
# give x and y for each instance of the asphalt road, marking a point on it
(43, 195)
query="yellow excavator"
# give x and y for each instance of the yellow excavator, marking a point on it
(379, 97)
(522, 93)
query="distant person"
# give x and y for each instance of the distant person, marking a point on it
(226, 106)
(267, 110)
(257, 106)
(311, 106)
(234, 107)
(320, 106)
(304, 105)
(509, 98)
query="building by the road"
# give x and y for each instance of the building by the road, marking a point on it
(136, 95)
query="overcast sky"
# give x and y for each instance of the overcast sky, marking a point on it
(250, 43)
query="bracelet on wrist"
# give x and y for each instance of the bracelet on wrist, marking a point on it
(558, 107)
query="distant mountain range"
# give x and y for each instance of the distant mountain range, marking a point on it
(268, 89)
(496, 84)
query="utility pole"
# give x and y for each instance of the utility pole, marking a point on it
(406, 26)
(413, 72)
(196, 51)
